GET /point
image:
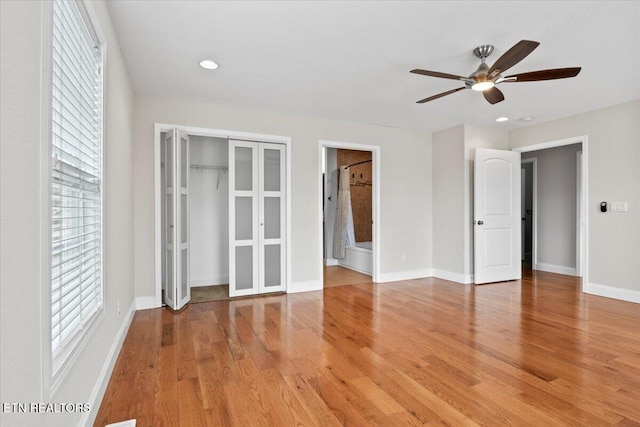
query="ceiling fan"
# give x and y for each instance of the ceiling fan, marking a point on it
(486, 78)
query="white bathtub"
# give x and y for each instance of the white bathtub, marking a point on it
(358, 258)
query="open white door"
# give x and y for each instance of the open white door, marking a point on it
(497, 219)
(177, 291)
(257, 253)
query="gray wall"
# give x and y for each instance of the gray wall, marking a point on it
(21, 217)
(453, 156)
(448, 201)
(613, 158)
(556, 209)
(405, 168)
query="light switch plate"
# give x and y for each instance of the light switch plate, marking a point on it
(618, 206)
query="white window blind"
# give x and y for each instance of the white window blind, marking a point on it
(76, 193)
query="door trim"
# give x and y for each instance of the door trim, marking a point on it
(158, 128)
(584, 244)
(534, 217)
(376, 202)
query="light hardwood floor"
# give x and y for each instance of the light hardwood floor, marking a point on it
(340, 276)
(418, 352)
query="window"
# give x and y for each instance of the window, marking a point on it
(76, 181)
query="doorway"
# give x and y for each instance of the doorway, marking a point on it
(350, 194)
(556, 231)
(194, 207)
(529, 175)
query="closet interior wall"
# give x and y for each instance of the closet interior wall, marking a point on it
(209, 211)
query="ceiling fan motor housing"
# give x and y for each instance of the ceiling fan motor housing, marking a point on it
(483, 51)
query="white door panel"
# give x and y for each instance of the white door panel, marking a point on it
(497, 219)
(177, 291)
(169, 235)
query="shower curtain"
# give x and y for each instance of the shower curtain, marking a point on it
(344, 231)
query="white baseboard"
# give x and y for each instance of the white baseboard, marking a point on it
(453, 277)
(350, 267)
(629, 295)
(558, 269)
(330, 262)
(311, 285)
(405, 275)
(95, 399)
(209, 281)
(144, 303)
(128, 423)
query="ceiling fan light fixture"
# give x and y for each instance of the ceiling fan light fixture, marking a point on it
(482, 83)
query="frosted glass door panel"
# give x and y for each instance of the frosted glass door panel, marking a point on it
(244, 168)
(184, 161)
(244, 218)
(169, 220)
(184, 280)
(272, 217)
(272, 266)
(169, 271)
(244, 268)
(168, 163)
(184, 218)
(271, 170)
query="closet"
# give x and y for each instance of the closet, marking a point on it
(222, 215)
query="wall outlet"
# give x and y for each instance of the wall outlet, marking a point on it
(403, 258)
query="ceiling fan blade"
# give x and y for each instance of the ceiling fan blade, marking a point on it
(438, 74)
(552, 74)
(440, 95)
(514, 55)
(493, 95)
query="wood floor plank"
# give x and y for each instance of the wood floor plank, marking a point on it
(418, 352)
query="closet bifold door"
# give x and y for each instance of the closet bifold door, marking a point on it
(177, 291)
(272, 217)
(257, 261)
(243, 218)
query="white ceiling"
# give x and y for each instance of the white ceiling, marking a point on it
(351, 60)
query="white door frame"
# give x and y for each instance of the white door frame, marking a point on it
(580, 213)
(375, 167)
(534, 207)
(158, 128)
(583, 248)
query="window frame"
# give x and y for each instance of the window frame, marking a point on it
(52, 376)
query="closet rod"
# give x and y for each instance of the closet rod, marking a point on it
(196, 166)
(359, 163)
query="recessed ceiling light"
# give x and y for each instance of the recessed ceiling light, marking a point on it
(502, 119)
(209, 64)
(525, 119)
